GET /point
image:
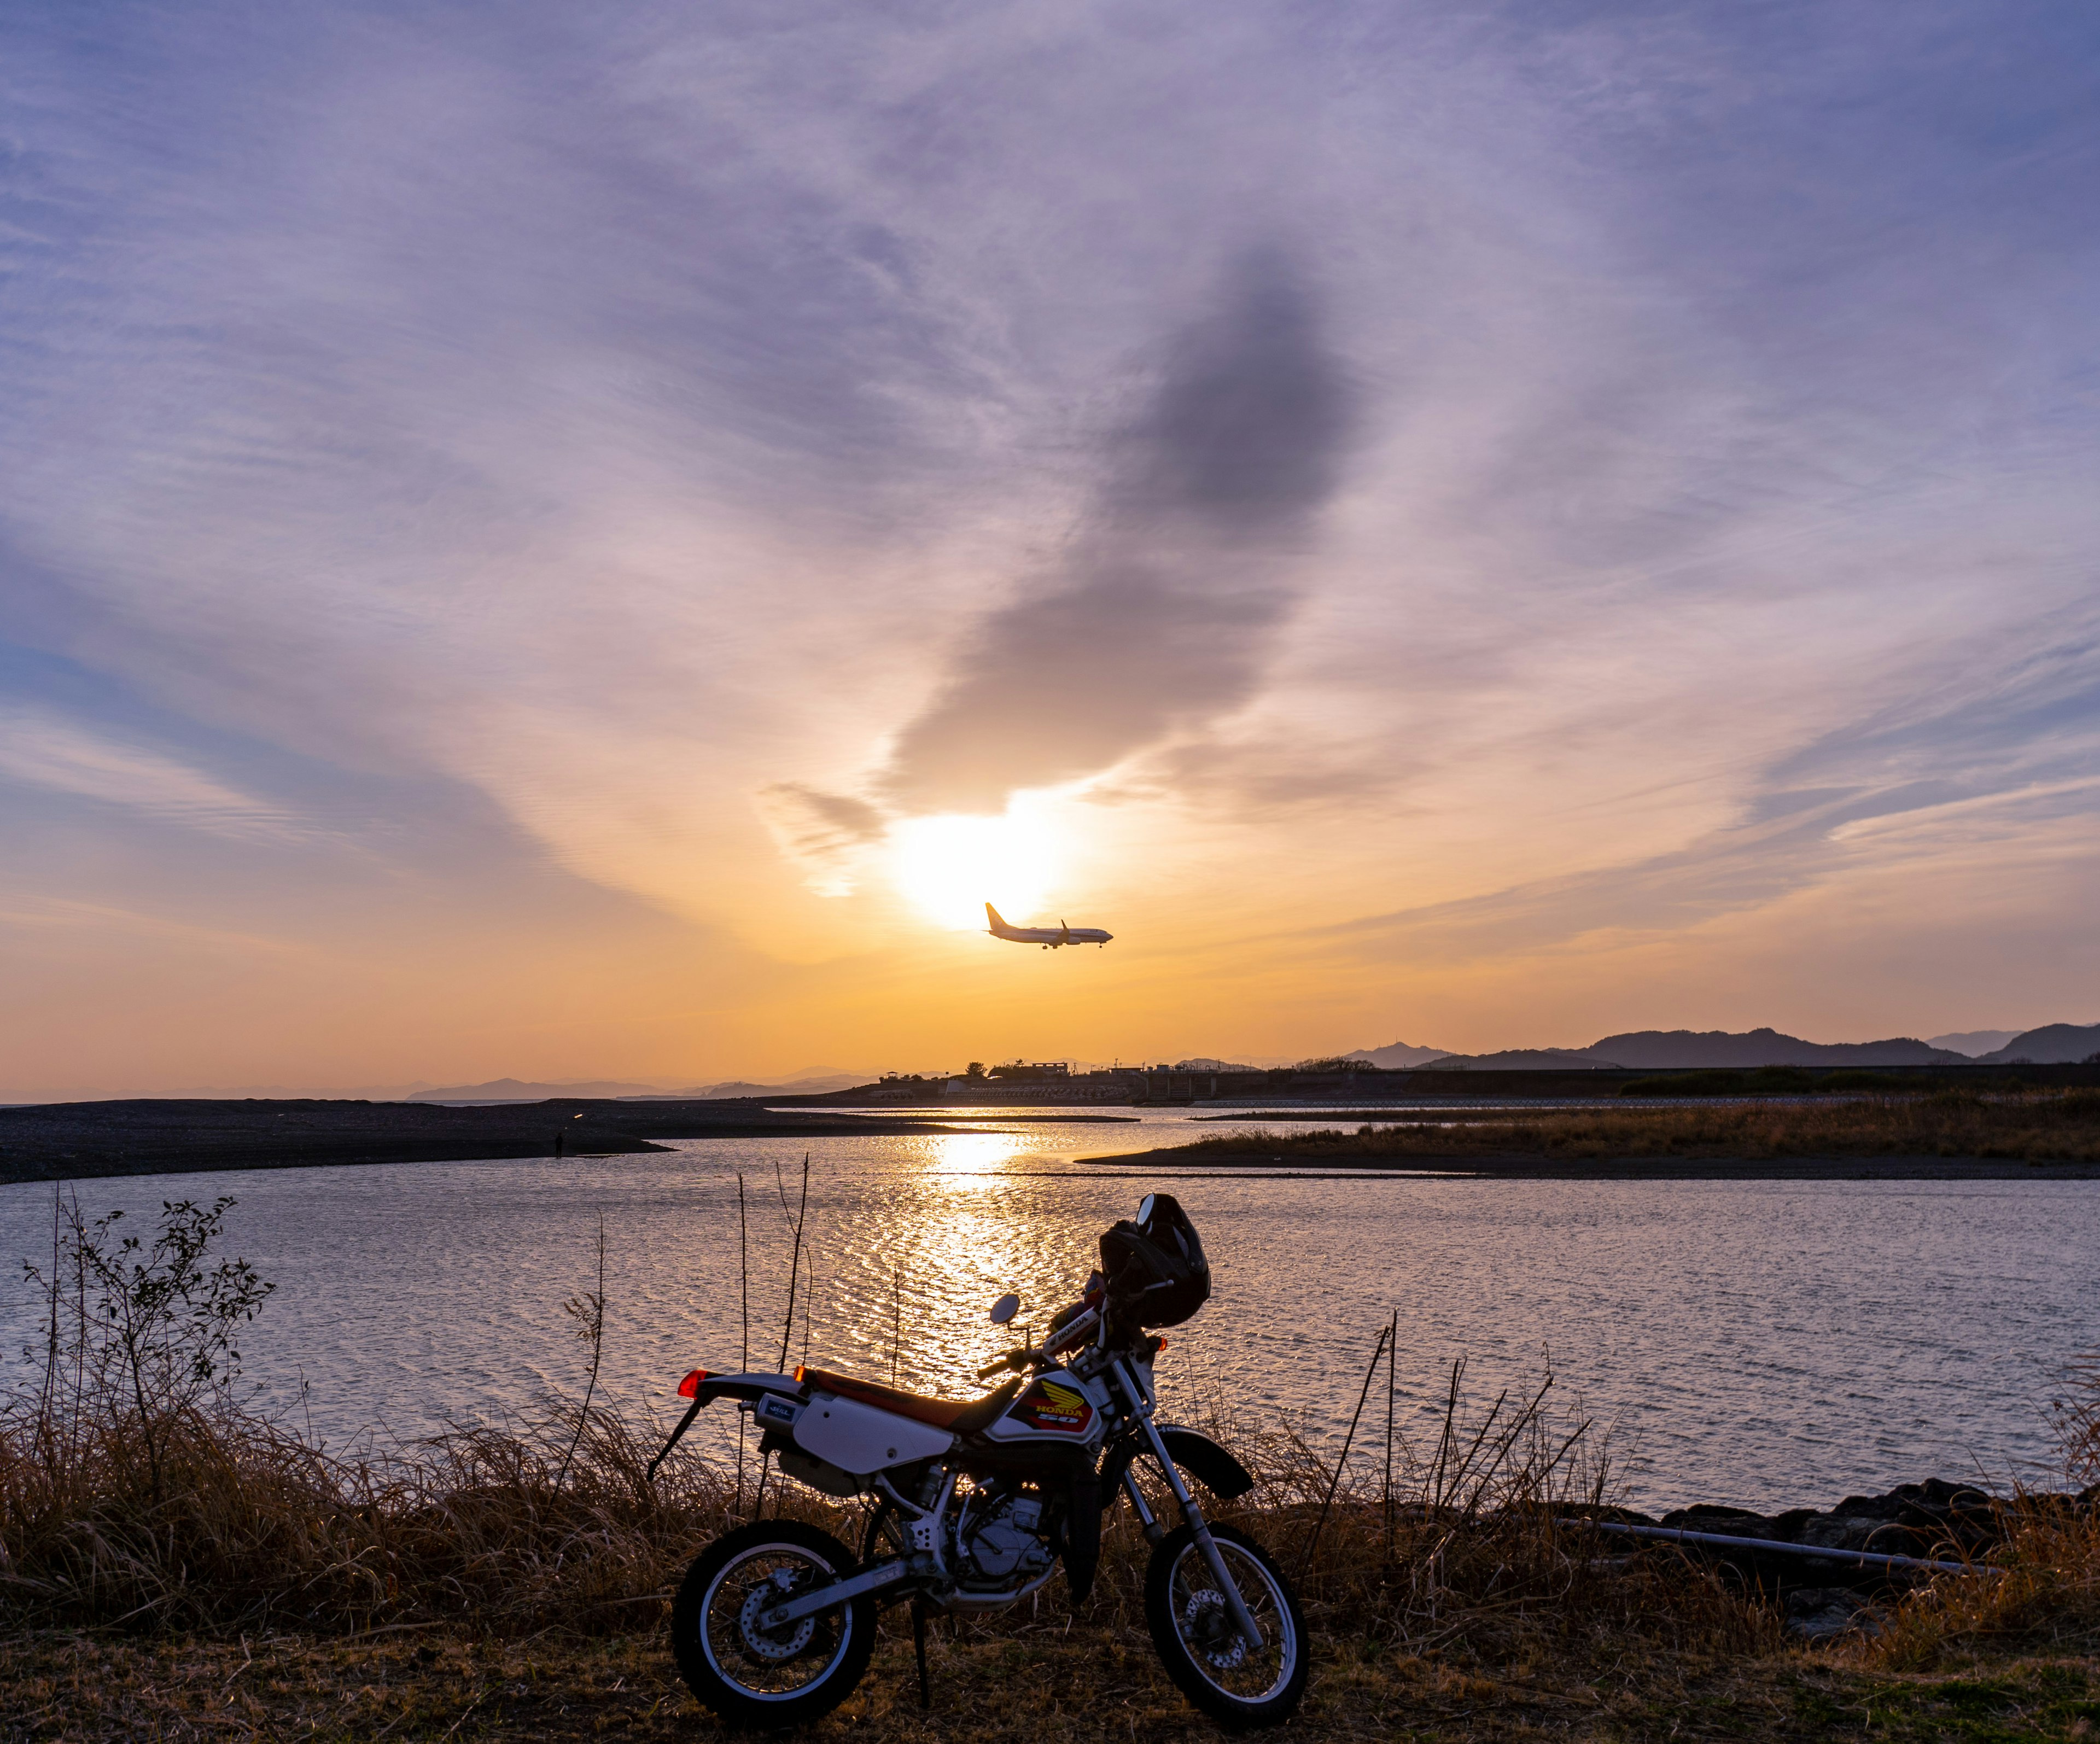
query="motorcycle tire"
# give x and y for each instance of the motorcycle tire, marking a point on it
(1199, 1645)
(769, 1679)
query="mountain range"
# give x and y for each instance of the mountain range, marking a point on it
(1654, 1049)
(2052, 1044)
(813, 1081)
(1399, 1056)
(1974, 1043)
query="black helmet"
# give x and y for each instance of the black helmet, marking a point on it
(1156, 1272)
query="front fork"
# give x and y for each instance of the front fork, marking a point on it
(1199, 1527)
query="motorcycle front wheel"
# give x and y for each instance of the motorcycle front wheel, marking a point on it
(1201, 1646)
(775, 1678)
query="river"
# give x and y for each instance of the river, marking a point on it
(1766, 1343)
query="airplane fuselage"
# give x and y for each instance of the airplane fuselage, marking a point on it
(1050, 937)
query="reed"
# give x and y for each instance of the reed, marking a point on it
(2045, 1596)
(2044, 1127)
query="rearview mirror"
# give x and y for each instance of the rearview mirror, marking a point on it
(1144, 1209)
(1005, 1309)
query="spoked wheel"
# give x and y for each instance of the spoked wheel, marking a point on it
(752, 1676)
(1200, 1645)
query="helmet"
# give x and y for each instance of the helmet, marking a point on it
(1155, 1270)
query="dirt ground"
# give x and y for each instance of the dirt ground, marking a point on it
(1075, 1683)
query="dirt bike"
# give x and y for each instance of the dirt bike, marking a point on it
(973, 1503)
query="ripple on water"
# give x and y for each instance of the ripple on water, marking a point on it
(1766, 1342)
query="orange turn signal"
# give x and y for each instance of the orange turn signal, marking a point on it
(690, 1387)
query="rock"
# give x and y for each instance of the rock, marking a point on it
(1933, 1518)
(1822, 1613)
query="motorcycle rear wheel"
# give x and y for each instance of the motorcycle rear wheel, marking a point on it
(769, 1679)
(1198, 1644)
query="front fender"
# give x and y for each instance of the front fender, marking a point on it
(1210, 1464)
(1202, 1459)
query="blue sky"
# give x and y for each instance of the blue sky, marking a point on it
(545, 543)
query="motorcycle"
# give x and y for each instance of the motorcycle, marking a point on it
(973, 1502)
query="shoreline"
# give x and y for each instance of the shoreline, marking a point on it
(1454, 1167)
(50, 1141)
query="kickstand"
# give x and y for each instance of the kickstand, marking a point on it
(919, 1646)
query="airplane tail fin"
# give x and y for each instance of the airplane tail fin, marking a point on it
(992, 915)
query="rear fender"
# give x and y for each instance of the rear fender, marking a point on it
(749, 1387)
(775, 1398)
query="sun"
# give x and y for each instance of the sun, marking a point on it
(948, 867)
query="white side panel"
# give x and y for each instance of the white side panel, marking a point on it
(860, 1439)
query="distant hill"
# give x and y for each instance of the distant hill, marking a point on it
(1646, 1048)
(516, 1090)
(2052, 1044)
(1398, 1056)
(813, 1083)
(1973, 1042)
(1522, 1060)
(809, 1086)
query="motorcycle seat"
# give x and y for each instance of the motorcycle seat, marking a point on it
(957, 1417)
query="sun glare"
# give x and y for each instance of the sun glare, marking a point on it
(950, 868)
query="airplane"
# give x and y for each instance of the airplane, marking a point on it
(1050, 937)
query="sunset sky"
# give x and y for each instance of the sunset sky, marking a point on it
(577, 541)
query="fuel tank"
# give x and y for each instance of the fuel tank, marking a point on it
(1058, 1407)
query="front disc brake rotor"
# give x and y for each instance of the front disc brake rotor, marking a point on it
(776, 1644)
(1208, 1626)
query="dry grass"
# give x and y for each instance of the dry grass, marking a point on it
(251, 1529)
(457, 1591)
(514, 1582)
(2054, 1126)
(2046, 1602)
(2048, 1598)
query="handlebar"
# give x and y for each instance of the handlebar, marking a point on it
(1022, 1357)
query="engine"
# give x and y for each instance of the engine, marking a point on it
(1003, 1542)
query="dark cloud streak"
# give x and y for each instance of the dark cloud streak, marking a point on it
(1160, 615)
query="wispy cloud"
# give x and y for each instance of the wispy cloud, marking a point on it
(45, 749)
(1402, 457)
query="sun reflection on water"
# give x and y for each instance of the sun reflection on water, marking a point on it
(952, 1160)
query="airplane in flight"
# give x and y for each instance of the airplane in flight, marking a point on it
(1050, 937)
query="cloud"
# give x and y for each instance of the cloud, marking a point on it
(824, 832)
(1160, 613)
(45, 749)
(1642, 426)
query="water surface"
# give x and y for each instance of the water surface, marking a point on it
(1770, 1343)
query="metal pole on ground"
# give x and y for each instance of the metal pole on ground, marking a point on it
(1780, 1546)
